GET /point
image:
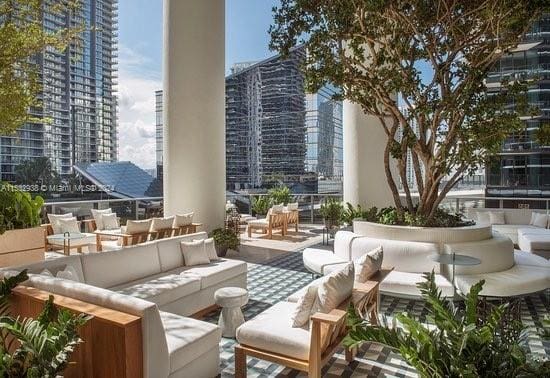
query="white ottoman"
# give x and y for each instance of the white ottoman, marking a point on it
(536, 241)
(231, 299)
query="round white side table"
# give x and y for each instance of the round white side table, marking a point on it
(231, 299)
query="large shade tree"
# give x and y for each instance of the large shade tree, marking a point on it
(435, 56)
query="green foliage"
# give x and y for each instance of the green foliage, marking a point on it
(37, 171)
(390, 215)
(280, 194)
(226, 238)
(436, 56)
(18, 209)
(261, 205)
(351, 213)
(458, 344)
(44, 345)
(22, 38)
(331, 210)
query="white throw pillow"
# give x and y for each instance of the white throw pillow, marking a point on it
(68, 225)
(539, 220)
(69, 273)
(138, 227)
(277, 208)
(292, 206)
(98, 217)
(483, 217)
(54, 221)
(194, 253)
(162, 223)
(335, 288)
(183, 219)
(368, 264)
(496, 217)
(110, 222)
(210, 248)
(304, 307)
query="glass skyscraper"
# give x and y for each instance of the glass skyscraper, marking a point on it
(78, 96)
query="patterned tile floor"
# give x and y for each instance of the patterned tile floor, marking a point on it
(276, 279)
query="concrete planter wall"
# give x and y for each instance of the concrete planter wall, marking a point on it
(18, 247)
(437, 235)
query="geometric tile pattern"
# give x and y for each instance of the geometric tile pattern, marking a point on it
(275, 280)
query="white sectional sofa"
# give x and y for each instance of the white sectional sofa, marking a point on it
(151, 281)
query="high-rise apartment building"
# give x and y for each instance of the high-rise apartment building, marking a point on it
(523, 166)
(275, 132)
(79, 105)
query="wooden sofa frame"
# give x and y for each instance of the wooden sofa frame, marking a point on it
(327, 332)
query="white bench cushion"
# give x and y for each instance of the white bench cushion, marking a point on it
(88, 239)
(272, 331)
(519, 280)
(161, 289)
(404, 283)
(188, 338)
(316, 259)
(215, 272)
(533, 239)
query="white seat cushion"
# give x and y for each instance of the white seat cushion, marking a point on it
(534, 239)
(404, 283)
(215, 272)
(188, 338)
(530, 259)
(316, 259)
(258, 222)
(88, 239)
(162, 289)
(272, 331)
(519, 280)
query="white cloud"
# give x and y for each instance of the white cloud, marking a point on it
(136, 91)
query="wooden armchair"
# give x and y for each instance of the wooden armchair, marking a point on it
(187, 229)
(121, 239)
(292, 218)
(271, 222)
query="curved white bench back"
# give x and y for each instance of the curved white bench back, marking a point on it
(342, 244)
(404, 256)
(496, 254)
(511, 216)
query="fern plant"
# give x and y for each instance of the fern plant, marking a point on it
(39, 347)
(461, 343)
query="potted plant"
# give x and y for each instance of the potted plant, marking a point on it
(44, 345)
(224, 240)
(280, 194)
(261, 205)
(21, 237)
(331, 211)
(459, 343)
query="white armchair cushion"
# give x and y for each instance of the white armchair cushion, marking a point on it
(68, 225)
(194, 253)
(54, 221)
(368, 264)
(210, 248)
(496, 217)
(539, 220)
(183, 219)
(292, 206)
(335, 288)
(304, 306)
(110, 221)
(162, 223)
(138, 226)
(277, 208)
(69, 273)
(98, 217)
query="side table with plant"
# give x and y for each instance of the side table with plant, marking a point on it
(224, 240)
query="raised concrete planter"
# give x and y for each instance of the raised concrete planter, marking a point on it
(439, 235)
(19, 247)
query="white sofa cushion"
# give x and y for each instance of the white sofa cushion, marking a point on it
(170, 251)
(54, 221)
(368, 264)
(304, 306)
(98, 217)
(534, 239)
(519, 280)
(496, 217)
(210, 249)
(156, 360)
(188, 339)
(334, 288)
(215, 272)
(68, 225)
(315, 260)
(194, 253)
(54, 266)
(110, 222)
(86, 240)
(404, 283)
(138, 226)
(539, 220)
(69, 273)
(162, 289)
(113, 268)
(272, 331)
(162, 223)
(343, 243)
(183, 219)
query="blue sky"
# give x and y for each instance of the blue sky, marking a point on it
(140, 63)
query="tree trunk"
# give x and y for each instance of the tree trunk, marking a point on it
(391, 181)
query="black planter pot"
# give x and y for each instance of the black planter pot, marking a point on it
(221, 251)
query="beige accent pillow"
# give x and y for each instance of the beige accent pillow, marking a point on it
(496, 217)
(539, 220)
(110, 222)
(162, 223)
(54, 221)
(69, 273)
(138, 226)
(184, 219)
(194, 253)
(304, 307)
(68, 225)
(98, 217)
(292, 206)
(335, 288)
(210, 248)
(368, 264)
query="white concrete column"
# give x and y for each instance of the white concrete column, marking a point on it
(364, 142)
(194, 109)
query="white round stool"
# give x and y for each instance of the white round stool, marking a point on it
(231, 299)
